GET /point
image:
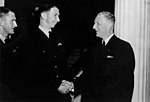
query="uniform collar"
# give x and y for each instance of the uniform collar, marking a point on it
(46, 32)
(2, 38)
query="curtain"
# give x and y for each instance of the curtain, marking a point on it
(133, 25)
(1, 2)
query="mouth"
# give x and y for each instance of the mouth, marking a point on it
(96, 31)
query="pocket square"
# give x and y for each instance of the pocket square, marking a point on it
(59, 44)
(110, 56)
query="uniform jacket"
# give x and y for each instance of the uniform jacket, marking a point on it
(44, 65)
(108, 74)
(8, 71)
(9, 62)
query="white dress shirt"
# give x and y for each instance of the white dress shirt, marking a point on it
(108, 38)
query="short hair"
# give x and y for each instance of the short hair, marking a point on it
(108, 15)
(4, 11)
(43, 7)
(39, 9)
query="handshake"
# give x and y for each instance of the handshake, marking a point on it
(66, 87)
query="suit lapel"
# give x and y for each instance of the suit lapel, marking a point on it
(111, 45)
(111, 42)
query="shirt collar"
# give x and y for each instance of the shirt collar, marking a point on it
(108, 38)
(2, 38)
(46, 32)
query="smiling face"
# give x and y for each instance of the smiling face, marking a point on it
(8, 23)
(52, 17)
(102, 26)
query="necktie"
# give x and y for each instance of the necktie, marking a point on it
(103, 49)
(103, 43)
(103, 46)
(49, 33)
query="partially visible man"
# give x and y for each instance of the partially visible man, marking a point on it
(7, 25)
(45, 66)
(108, 70)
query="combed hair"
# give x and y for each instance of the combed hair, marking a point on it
(4, 11)
(108, 15)
(39, 9)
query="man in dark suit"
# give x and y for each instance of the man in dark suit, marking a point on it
(44, 64)
(108, 71)
(7, 59)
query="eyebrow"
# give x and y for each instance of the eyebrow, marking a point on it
(14, 19)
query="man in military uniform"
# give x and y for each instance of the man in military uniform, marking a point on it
(7, 53)
(44, 65)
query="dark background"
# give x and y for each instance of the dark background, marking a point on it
(75, 28)
(76, 17)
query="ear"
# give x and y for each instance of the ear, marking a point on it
(109, 24)
(43, 15)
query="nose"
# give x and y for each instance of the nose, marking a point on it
(58, 19)
(15, 24)
(94, 26)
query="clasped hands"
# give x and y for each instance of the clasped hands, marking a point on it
(66, 87)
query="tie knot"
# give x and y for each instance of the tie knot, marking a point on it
(103, 42)
(49, 33)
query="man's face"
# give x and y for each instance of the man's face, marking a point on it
(53, 17)
(9, 23)
(100, 26)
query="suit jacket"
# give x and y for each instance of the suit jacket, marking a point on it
(43, 66)
(108, 74)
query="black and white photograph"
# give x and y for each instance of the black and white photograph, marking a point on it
(74, 50)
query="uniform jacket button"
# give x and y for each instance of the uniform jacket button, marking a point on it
(43, 51)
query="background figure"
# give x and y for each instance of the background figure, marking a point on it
(7, 56)
(7, 23)
(44, 60)
(108, 68)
